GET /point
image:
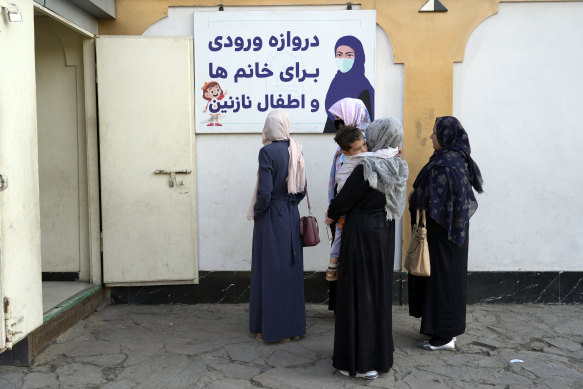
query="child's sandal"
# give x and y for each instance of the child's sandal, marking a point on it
(332, 274)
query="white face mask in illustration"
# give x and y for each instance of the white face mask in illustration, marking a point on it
(344, 65)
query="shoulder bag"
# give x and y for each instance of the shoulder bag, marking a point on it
(309, 226)
(417, 257)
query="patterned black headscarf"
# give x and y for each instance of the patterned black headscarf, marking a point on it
(444, 185)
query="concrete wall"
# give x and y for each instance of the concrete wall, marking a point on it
(519, 94)
(227, 164)
(508, 77)
(515, 82)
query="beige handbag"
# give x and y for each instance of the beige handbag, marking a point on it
(417, 258)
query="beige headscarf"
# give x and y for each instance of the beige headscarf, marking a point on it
(277, 127)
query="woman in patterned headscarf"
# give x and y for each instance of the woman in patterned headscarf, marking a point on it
(443, 189)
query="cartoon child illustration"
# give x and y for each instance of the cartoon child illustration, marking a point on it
(213, 91)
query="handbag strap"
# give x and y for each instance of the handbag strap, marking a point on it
(308, 197)
(423, 220)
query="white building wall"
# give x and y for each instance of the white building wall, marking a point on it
(519, 94)
(227, 164)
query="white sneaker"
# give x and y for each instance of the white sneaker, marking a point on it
(369, 375)
(427, 346)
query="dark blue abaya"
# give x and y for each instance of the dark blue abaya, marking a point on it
(277, 307)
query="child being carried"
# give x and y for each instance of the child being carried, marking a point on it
(353, 145)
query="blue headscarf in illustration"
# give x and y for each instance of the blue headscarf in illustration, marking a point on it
(444, 185)
(350, 80)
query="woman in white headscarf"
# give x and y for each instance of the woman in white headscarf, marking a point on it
(276, 308)
(372, 197)
(350, 112)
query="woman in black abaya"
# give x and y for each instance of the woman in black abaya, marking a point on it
(372, 198)
(444, 189)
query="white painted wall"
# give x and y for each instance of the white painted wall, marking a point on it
(519, 94)
(227, 164)
(62, 147)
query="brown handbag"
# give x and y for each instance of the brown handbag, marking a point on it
(309, 226)
(417, 257)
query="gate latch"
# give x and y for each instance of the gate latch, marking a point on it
(172, 179)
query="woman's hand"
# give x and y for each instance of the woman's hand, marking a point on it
(327, 219)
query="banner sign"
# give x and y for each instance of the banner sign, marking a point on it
(249, 63)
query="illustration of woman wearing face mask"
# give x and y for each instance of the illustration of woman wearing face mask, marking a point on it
(349, 80)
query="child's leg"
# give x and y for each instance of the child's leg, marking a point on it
(332, 271)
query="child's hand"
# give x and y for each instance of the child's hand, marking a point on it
(327, 219)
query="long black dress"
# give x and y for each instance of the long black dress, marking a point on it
(440, 300)
(276, 307)
(444, 187)
(363, 338)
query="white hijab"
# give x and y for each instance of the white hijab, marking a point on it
(352, 111)
(277, 127)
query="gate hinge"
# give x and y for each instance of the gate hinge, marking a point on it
(9, 324)
(3, 182)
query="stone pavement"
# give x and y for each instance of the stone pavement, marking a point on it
(208, 346)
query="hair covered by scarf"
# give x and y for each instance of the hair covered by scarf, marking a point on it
(387, 175)
(352, 111)
(444, 184)
(277, 127)
(452, 136)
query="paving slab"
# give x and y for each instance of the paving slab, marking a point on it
(208, 346)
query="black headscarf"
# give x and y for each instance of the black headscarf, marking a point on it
(444, 185)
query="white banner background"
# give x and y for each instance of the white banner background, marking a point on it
(268, 60)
